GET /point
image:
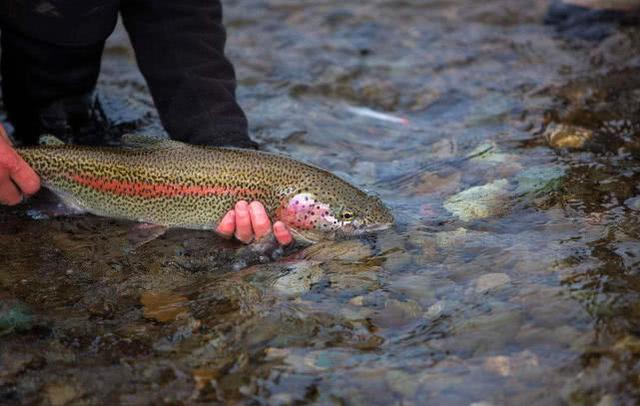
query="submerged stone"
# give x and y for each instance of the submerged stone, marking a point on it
(14, 317)
(489, 152)
(567, 136)
(163, 306)
(491, 281)
(479, 201)
(539, 179)
(403, 383)
(299, 278)
(60, 394)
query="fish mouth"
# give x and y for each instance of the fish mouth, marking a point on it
(377, 227)
(363, 229)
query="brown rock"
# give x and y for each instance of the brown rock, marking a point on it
(163, 306)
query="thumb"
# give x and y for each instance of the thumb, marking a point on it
(3, 136)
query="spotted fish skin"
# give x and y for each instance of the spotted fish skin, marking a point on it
(173, 184)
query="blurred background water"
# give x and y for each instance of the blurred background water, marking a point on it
(510, 278)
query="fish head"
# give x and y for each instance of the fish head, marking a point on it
(326, 214)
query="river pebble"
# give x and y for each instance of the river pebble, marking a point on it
(479, 202)
(567, 136)
(513, 364)
(349, 250)
(397, 313)
(14, 317)
(539, 179)
(164, 306)
(491, 281)
(298, 278)
(403, 383)
(60, 394)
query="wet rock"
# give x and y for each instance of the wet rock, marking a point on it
(403, 383)
(567, 136)
(102, 309)
(398, 261)
(488, 331)
(60, 394)
(562, 336)
(435, 310)
(607, 400)
(491, 281)
(437, 183)
(357, 300)
(445, 148)
(629, 344)
(416, 287)
(446, 239)
(365, 170)
(479, 201)
(489, 152)
(539, 179)
(589, 385)
(13, 364)
(206, 384)
(163, 306)
(299, 278)
(14, 317)
(310, 361)
(57, 352)
(361, 278)
(349, 250)
(354, 313)
(514, 364)
(550, 306)
(633, 203)
(397, 313)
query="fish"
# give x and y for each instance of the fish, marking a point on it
(176, 185)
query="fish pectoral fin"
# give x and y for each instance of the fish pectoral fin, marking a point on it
(306, 237)
(51, 140)
(148, 141)
(141, 234)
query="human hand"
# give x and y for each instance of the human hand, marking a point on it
(247, 220)
(16, 176)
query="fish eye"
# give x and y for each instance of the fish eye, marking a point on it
(347, 215)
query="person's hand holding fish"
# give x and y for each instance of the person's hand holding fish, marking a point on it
(16, 176)
(249, 220)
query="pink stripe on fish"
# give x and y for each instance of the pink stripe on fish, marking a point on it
(150, 190)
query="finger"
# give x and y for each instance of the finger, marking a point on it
(282, 233)
(259, 220)
(9, 193)
(244, 232)
(25, 177)
(227, 225)
(21, 173)
(3, 135)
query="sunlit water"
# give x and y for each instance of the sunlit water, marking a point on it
(511, 276)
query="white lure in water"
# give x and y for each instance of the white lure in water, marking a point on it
(367, 112)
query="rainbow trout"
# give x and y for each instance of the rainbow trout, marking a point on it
(172, 184)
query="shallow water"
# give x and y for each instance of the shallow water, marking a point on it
(510, 278)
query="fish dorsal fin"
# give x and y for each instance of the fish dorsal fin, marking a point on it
(148, 141)
(50, 140)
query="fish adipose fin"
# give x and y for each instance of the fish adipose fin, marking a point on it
(51, 140)
(148, 141)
